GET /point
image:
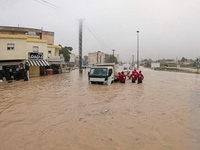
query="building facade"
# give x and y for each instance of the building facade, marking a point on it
(155, 64)
(96, 58)
(27, 48)
(55, 60)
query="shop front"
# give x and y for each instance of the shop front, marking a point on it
(56, 66)
(12, 70)
(37, 65)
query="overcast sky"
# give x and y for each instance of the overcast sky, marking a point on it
(168, 28)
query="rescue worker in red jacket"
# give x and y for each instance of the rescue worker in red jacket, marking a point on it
(134, 76)
(123, 77)
(117, 77)
(140, 77)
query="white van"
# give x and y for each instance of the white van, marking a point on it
(101, 75)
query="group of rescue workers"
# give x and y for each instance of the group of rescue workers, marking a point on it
(134, 76)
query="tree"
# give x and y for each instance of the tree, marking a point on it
(109, 59)
(66, 51)
(183, 59)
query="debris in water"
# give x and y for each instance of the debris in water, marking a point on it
(105, 110)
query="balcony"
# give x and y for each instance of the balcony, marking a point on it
(54, 58)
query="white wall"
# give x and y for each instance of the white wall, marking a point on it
(155, 64)
(72, 58)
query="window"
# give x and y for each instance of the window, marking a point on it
(49, 52)
(35, 48)
(10, 46)
(110, 72)
(31, 33)
(98, 72)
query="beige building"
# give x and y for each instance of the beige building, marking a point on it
(53, 56)
(96, 58)
(45, 35)
(30, 47)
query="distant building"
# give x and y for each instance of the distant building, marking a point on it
(186, 63)
(73, 60)
(155, 64)
(168, 63)
(146, 63)
(100, 57)
(96, 58)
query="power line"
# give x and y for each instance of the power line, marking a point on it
(92, 30)
(96, 36)
(93, 34)
(90, 26)
(43, 2)
(48, 3)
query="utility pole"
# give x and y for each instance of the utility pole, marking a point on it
(113, 55)
(80, 45)
(198, 64)
(137, 50)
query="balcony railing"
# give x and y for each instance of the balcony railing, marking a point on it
(54, 58)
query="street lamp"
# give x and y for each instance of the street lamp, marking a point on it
(113, 55)
(137, 50)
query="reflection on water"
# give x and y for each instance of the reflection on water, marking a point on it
(66, 112)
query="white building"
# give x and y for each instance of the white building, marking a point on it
(72, 58)
(155, 64)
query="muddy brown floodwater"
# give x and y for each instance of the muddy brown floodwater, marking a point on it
(64, 112)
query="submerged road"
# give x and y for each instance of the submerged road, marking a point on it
(65, 112)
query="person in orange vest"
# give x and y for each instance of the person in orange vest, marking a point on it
(134, 76)
(123, 77)
(140, 77)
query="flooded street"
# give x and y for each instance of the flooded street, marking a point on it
(65, 112)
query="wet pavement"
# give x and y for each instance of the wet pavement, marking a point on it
(65, 112)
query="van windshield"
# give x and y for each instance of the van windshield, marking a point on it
(98, 72)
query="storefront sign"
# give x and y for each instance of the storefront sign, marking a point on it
(35, 55)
